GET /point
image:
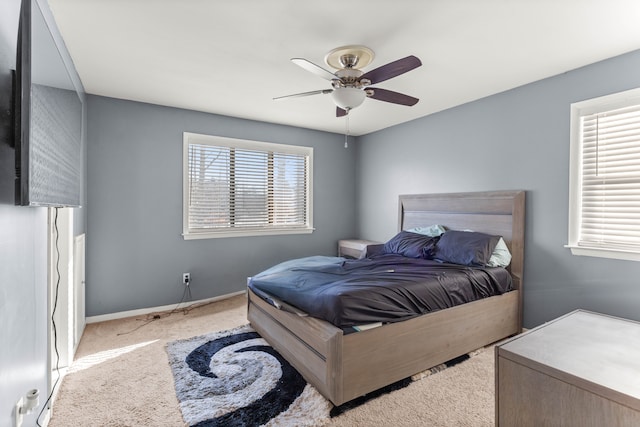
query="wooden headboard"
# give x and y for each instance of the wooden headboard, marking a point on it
(493, 212)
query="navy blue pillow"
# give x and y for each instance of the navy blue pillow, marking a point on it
(465, 247)
(411, 245)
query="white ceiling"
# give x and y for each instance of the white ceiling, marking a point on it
(232, 57)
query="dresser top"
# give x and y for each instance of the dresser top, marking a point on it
(601, 349)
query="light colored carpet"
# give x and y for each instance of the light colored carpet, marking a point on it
(121, 377)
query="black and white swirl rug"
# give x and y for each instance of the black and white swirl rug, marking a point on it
(234, 378)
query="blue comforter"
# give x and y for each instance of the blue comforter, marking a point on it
(383, 288)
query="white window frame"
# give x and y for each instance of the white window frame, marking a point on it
(193, 138)
(579, 109)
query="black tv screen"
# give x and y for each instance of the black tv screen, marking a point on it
(48, 117)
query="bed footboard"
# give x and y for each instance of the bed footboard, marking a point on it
(344, 367)
(312, 346)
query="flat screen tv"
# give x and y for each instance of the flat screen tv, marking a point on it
(48, 117)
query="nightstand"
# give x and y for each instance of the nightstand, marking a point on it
(578, 370)
(354, 248)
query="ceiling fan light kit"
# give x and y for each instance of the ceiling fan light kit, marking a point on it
(350, 85)
(348, 98)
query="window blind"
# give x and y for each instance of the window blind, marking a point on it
(239, 187)
(610, 183)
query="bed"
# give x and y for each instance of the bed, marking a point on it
(344, 366)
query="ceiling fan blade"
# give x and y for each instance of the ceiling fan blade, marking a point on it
(341, 112)
(297, 95)
(391, 96)
(313, 68)
(392, 69)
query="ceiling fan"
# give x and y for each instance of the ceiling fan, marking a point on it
(350, 86)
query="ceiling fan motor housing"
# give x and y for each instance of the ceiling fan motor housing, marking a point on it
(347, 77)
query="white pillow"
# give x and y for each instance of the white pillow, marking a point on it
(501, 257)
(431, 231)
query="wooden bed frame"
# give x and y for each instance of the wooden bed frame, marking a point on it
(344, 367)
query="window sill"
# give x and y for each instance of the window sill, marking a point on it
(245, 233)
(604, 253)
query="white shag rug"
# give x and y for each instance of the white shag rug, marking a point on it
(234, 378)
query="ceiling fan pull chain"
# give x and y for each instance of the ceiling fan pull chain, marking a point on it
(346, 135)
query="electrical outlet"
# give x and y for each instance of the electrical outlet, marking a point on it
(19, 413)
(186, 279)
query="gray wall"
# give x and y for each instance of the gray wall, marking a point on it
(135, 252)
(23, 257)
(514, 140)
(518, 139)
(23, 306)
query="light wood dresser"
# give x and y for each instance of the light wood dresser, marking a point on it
(582, 369)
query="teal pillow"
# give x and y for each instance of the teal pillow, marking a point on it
(432, 230)
(501, 257)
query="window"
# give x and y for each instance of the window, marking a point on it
(604, 193)
(235, 187)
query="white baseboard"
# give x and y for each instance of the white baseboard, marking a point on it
(143, 311)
